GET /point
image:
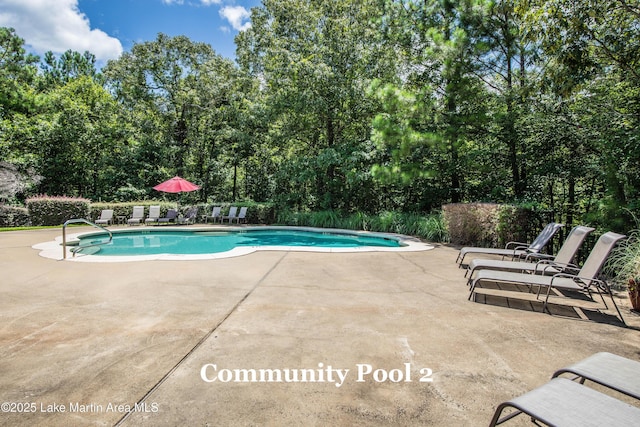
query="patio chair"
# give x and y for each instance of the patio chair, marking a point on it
(191, 216)
(242, 216)
(154, 215)
(106, 217)
(562, 402)
(215, 215)
(537, 262)
(232, 214)
(136, 216)
(171, 216)
(609, 370)
(514, 249)
(584, 281)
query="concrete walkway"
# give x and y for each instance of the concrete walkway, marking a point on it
(366, 339)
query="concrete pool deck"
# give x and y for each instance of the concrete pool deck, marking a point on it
(83, 343)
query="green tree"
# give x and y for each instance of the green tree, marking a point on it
(70, 65)
(437, 40)
(17, 72)
(79, 140)
(316, 60)
(172, 90)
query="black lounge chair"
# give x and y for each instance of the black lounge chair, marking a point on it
(171, 216)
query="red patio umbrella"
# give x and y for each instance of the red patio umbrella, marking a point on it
(176, 185)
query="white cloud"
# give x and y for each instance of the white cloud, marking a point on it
(57, 25)
(210, 2)
(236, 15)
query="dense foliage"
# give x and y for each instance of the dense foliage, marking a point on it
(352, 106)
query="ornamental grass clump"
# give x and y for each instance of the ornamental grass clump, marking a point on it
(623, 267)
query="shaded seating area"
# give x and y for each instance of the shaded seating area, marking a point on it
(105, 218)
(563, 402)
(536, 262)
(585, 281)
(136, 216)
(514, 250)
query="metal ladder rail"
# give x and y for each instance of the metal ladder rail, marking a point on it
(76, 220)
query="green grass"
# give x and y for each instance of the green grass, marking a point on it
(27, 228)
(37, 227)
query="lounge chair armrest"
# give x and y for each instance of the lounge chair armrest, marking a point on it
(538, 255)
(544, 265)
(582, 281)
(515, 245)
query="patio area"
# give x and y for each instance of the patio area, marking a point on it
(374, 339)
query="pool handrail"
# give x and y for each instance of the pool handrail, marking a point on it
(86, 221)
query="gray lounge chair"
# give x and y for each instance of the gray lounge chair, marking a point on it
(106, 217)
(171, 216)
(609, 370)
(584, 281)
(191, 216)
(562, 402)
(232, 214)
(242, 216)
(215, 215)
(154, 215)
(514, 249)
(137, 216)
(536, 262)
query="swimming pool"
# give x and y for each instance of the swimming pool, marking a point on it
(148, 243)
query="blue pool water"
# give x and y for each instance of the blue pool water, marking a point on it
(191, 242)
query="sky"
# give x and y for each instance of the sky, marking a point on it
(107, 28)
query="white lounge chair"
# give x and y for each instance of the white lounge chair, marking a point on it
(215, 215)
(137, 216)
(106, 217)
(242, 216)
(154, 215)
(231, 215)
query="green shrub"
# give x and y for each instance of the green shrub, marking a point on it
(429, 227)
(489, 224)
(13, 216)
(55, 210)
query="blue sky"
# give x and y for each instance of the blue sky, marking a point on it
(108, 27)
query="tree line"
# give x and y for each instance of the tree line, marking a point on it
(349, 106)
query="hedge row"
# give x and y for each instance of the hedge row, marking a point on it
(47, 210)
(13, 216)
